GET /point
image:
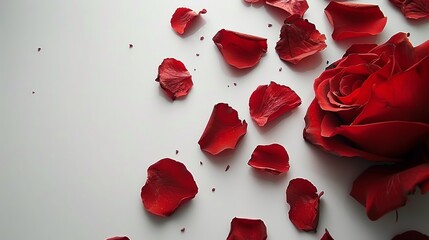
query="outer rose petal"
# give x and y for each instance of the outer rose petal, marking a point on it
(269, 102)
(182, 18)
(327, 236)
(348, 21)
(411, 235)
(223, 131)
(240, 50)
(169, 184)
(271, 158)
(247, 229)
(174, 78)
(118, 238)
(303, 199)
(298, 40)
(292, 7)
(413, 9)
(382, 189)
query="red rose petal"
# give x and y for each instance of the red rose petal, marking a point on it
(382, 189)
(271, 158)
(347, 20)
(298, 40)
(223, 131)
(169, 184)
(247, 229)
(303, 199)
(269, 102)
(252, 1)
(292, 7)
(182, 19)
(240, 50)
(174, 78)
(118, 238)
(411, 235)
(327, 236)
(413, 9)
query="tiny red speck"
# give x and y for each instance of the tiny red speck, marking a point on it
(235, 84)
(201, 163)
(182, 230)
(227, 168)
(280, 69)
(327, 62)
(270, 25)
(408, 34)
(197, 54)
(177, 151)
(130, 45)
(213, 189)
(33, 92)
(39, 49)
(202, 38)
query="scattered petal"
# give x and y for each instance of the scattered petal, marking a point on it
(292, 7)
(118, 238)
(174, 78)
(327, 236)
(247, 229)
(303, 199)
(169, 184)
(411, 235)
(223, 131)
(240, 50)
(271, 158)
(182, 19)
(269, 102)
(413, 9)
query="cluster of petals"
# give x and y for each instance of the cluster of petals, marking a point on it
(247, 229)
(413, 9)
(183, 17)
(272, 158)
(174, 78)
(291, 7)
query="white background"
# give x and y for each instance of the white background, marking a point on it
(73, 155)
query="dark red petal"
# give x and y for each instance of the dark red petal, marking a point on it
(347, 20)
(240, 50)
(292, 7)
(271, 158)
(247, 229)
(327, 236)
(269, 102)
(182, 18)
(382, 189)
(413, 9)
(169, 184)
(411, 235)
(303, 200)
(118, 238)
(299, 39)
(223, 131)
(174, 78)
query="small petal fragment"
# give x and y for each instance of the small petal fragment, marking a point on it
(240, 50)
(411, 235)
(303, 199)
(269, 102)
(347, 20)
(247, 229)
(327, 235)
(292, 7)
(169, 184)
(182, 19)
(299, 39)
(413, 9)
(271, 158)
(223, 131)
(118, 238)
(174, 78)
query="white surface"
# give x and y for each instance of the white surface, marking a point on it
(73, 155)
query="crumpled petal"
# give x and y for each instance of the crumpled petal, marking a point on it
(292, 7)
(348, 21)
(182, 19)
(240, 50)
(303, 200)
(327, 236)
(269, 102)
(272, 158)
(413, 9)
(247, 229)
(169, 184)
(411, 235)
(223, 131)
(382, 189)
(174, 78)
(118, 238)
(299, 39)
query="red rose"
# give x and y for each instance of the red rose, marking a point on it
(373, 103)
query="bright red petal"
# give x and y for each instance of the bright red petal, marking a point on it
(247, 229)
(271, 158)
(382, 189)
(223, 131)
(169, 184)
(240, 50)
(292, 7)
(118, 238)
(411, 235)
(413, 9)
(182, 19)
(347, 20)
(303, 199)
(299, 39)
(327, 236)
(269, 102)
(174, 78)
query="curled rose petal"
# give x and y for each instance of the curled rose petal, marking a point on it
(269, 102)
(240, 50)
(174, 78)
(223, 131)
(327, 236)
(169, 184)
(271, 158)
(292, 7)
(347, 20)
(182, 19)
(247, 229)
(118, 238)
(299, 39)
(413, 9)
(411, 235)
(303, 200)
